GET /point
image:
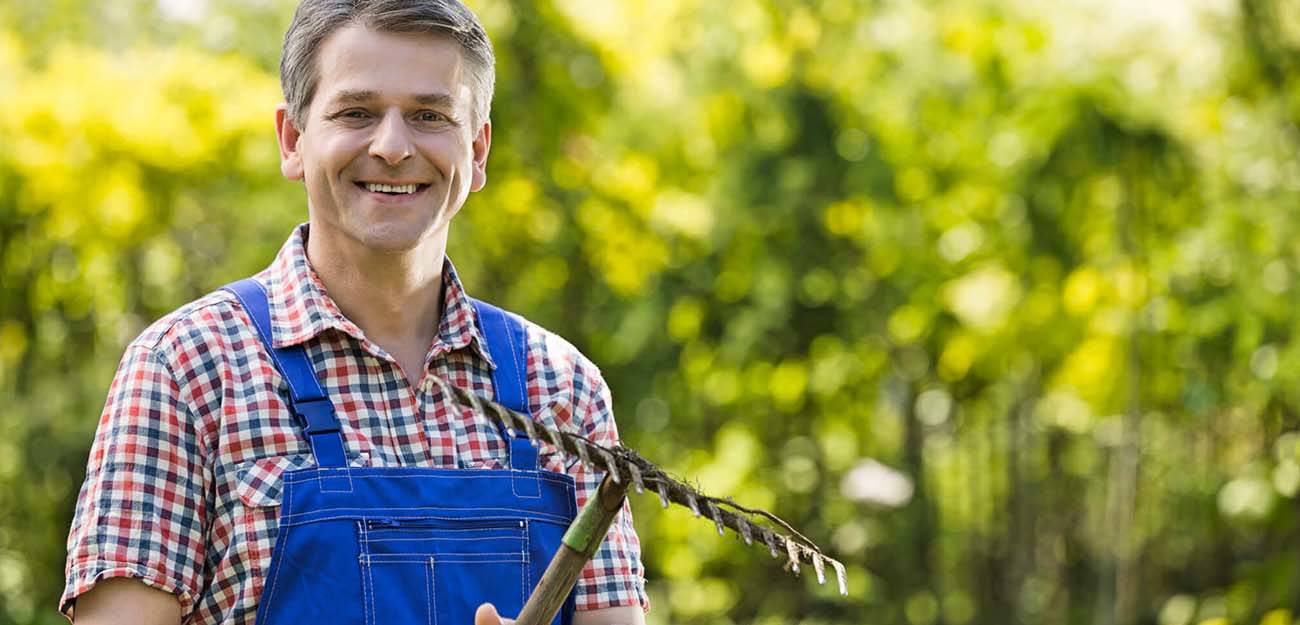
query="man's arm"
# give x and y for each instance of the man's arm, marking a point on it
(614, 573)
(126, 601)
(124, 536)
(620, 615)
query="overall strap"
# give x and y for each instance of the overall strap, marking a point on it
(508, 346)
(310, 406)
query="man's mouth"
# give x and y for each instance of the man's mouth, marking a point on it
(392, 189)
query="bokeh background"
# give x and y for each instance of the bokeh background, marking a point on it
(994, 300)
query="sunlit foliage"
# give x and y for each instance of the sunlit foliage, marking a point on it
(994, 300)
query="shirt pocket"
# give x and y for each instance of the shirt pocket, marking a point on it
(261, 481)
(260, 486)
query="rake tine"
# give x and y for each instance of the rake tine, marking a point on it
(584, 455)
(716, 515)
(636, 478)
(841, 577)
(554, 438)
(530, 429)
(612, 465)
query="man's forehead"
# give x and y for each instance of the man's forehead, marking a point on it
(358, 46)
(358, 63)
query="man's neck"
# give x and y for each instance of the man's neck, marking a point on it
(395, 298)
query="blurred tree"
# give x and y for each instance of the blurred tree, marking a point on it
(1037, 258)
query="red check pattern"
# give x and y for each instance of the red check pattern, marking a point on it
(183, 483)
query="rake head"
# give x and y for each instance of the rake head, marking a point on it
(622, 463)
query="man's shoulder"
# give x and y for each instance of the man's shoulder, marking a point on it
(194, 327)
(557, 360)
(567, 384)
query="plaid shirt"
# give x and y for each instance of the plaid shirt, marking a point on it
(183, 483)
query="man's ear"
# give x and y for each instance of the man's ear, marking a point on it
(482, 144)
(287, 135)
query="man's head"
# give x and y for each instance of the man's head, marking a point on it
(385, 120)
(315, 20)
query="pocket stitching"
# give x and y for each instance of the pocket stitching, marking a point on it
(528, 567)
(432, 606)
(366, 600)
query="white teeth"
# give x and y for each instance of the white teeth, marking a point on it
(389, 188)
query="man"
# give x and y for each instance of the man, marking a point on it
(210, 449)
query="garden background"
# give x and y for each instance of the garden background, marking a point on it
(994, 300)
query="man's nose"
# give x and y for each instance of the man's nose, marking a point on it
(391, 141)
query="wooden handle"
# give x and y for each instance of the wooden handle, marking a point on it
(580, 542)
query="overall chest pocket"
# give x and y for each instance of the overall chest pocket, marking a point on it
(431, 571)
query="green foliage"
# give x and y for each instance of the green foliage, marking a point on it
(1039, 257)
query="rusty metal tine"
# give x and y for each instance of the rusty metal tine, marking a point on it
(841, 577)
(584, 455)
(636, 478)
(612, 465)
(716, 515)
(555, 437)
(530, 429)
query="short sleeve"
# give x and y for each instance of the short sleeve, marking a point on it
(615, 575)
(140, 511)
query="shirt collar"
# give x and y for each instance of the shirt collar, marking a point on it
(301, 309)
(459, 327)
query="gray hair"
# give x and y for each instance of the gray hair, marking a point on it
(314, 20)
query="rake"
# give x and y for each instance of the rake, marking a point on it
(625, 469)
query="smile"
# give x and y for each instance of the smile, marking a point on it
(392, 189)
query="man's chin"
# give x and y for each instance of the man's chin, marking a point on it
(395, 238)
(377, 232)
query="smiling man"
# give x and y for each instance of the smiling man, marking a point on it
(288, 449)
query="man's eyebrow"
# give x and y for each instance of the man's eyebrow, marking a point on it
(433, 99)
(356, 96)
(349, 96)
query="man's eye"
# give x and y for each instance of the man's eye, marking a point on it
(351, 115)
(429, 116)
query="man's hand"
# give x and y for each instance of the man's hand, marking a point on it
(622, 615)
(487, 615)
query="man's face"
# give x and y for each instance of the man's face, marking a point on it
(387, 152)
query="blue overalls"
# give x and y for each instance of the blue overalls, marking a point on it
(406, 545)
